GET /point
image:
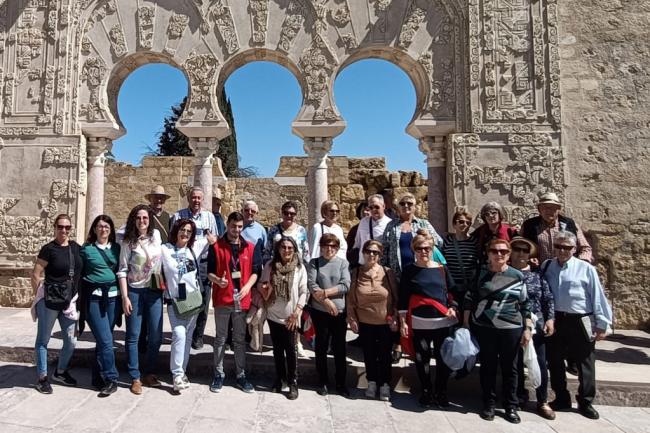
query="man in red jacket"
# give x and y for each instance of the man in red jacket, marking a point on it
(234, 266)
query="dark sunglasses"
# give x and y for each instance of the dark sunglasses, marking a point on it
(335, 211)
(563, 247)
(329, 246)
(499, 252)
(371, 252)
(463, 222)
(521, 250)
(423, 249)
(292, 214)
(406, 203)
(62, 227)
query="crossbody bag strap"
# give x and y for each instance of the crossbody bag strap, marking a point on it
(71, 260)
(160, 224)
(372, 236)
(108, 261)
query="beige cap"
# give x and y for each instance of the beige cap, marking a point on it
(157, 190)
(549, 198)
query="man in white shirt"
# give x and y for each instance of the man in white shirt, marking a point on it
(373, 226)
(206, 235)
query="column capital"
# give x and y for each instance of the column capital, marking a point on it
(204, 149)
(317, 147)
(96, 148)
(435, 149)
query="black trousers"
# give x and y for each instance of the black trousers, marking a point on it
(422, 339)
(570, 342)
(334, 328)
(499, 347)
(539, 341)
(377, 345)
(284, 352)
(202, 318)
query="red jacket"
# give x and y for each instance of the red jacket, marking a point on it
(220, 262)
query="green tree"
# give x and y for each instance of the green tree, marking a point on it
(172, 142)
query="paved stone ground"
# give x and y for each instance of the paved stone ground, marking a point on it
(23, 409)
(623, 370)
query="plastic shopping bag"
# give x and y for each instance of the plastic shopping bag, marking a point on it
(530, 361)
(459, 351)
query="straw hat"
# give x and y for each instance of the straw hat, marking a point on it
(549, 198)
(157, 190)
(531, 245)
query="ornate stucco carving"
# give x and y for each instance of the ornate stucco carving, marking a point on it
(146, 20)
(29, 46)
(259, 10)
(92, 73)
(17, 131)
(415, 16)
(220, 13)
(118, 41)
(292, 24)
(201, 69)
(60, 155)
(177, 25)
(317, 63)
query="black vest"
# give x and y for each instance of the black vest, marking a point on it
(529, 229)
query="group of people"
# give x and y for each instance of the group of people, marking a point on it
(393, 280)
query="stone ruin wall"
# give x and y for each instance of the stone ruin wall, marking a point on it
(605, 64)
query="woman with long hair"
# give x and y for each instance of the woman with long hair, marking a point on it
(139, 262)
(100, 255)
(284, 289)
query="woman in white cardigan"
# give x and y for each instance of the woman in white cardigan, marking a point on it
(284, 289)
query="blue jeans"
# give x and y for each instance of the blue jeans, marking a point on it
(102, 322)
(46, 319)
(143, 299)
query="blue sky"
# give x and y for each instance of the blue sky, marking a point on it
(376, 98)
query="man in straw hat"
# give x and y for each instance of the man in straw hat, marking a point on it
(542, 229)
(157, 198)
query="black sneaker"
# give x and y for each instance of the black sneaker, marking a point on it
(217, 383)
(244, 384)
(109, 389)
(64, 378)
(43, 386)
(197, 343)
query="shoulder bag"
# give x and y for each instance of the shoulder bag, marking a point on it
(193, 302)
(58, 295)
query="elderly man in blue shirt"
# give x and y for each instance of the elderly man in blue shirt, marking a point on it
(582, 316)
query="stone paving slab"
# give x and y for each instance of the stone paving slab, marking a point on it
(622, 367)
(23, 409)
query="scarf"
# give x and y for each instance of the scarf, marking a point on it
(282, 278)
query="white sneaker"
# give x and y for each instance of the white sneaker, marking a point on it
(371, 391)
(179, 384)
(384, 392)
(186, 381)
(301, 350)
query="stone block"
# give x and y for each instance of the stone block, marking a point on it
(367, 163)
(353, 194)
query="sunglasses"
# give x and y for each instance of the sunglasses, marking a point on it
(371, 252)
(521, 250)
(289, 214)
(62, 227)
(463, 222)
(499, 252)
(563, 247)
(286, 247)
(423, 249)
(406, 203)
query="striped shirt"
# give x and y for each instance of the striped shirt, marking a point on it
(462, 262)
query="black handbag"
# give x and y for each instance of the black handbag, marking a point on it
(59, 294)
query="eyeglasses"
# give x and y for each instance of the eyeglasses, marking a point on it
(463, 222)
(289, 214)
(521, 250)
(334, 246)
(102, 227)
(563, 247)
(374, 207)
(491, 213)
(62, 227)
(335, 211)
(406, 203)
(423, 249)
(286, 247)
(372, 252)
(500, 252)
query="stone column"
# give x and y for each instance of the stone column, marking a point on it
(204, 150)
(317, 148)
(96, 148)
(435, 149)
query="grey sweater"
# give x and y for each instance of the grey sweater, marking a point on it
(324, 274)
